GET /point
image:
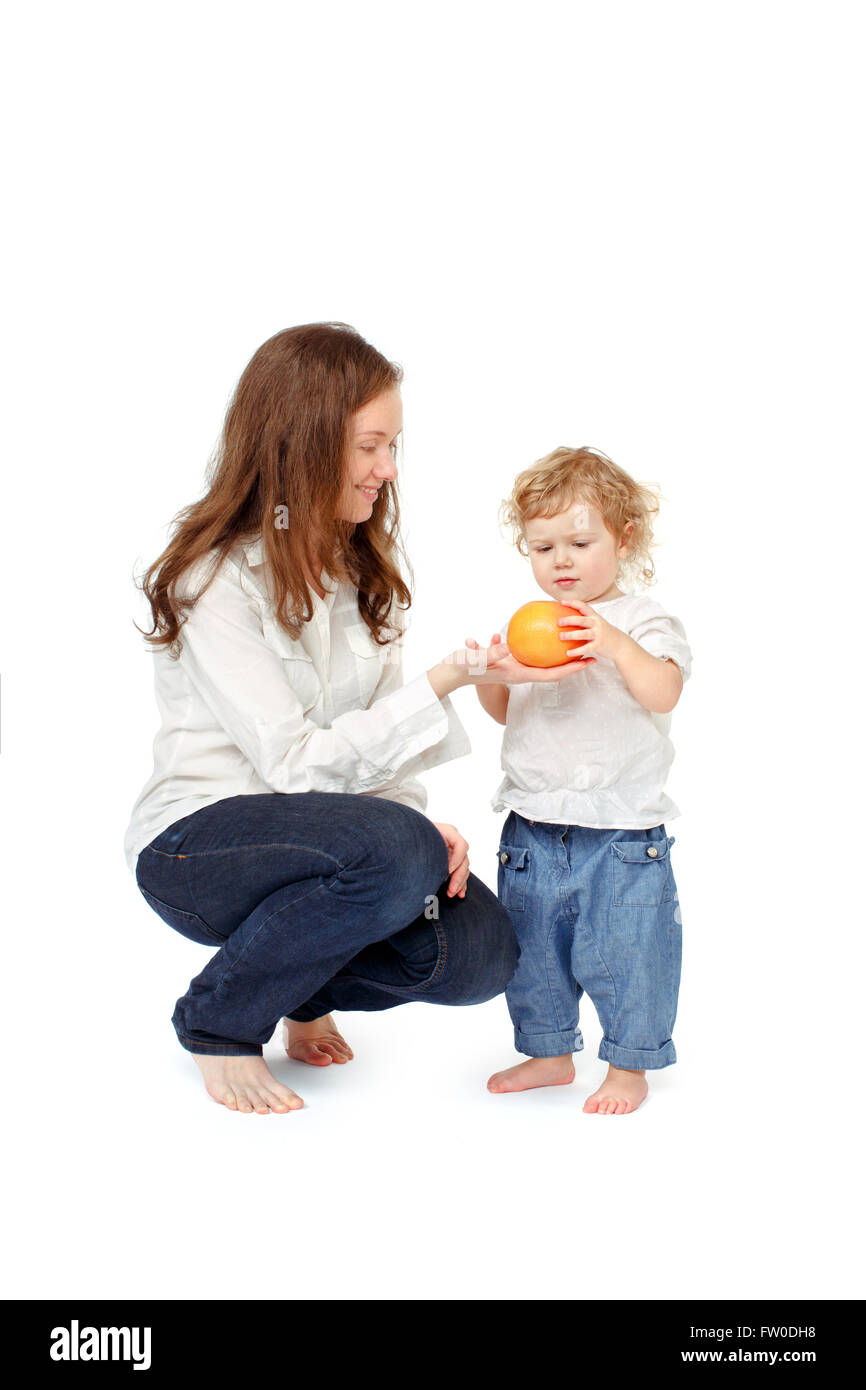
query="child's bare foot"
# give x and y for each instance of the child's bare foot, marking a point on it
(318, 1043)
(620, 1093)
(246, 1083)
(538, 1071)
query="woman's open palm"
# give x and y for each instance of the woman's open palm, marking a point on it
(495, 664)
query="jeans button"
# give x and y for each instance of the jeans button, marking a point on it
(652, 852)
(503, 858)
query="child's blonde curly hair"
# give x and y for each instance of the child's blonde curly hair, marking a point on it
(567, 476)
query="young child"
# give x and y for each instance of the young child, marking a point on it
(584, 857)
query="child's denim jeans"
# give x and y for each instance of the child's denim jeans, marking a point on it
(594, 911)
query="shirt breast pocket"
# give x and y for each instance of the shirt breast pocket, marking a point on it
(369, 659)
(297, 664)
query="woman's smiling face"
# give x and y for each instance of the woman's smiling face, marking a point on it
(373, 432)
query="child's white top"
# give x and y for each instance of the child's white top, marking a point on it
(583, 750)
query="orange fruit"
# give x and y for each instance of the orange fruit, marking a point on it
(533, 634)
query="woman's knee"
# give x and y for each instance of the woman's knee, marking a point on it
(482, 947)
(397, 854)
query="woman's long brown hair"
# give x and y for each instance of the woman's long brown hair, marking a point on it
(282, 452)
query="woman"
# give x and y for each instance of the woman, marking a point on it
(283, 821)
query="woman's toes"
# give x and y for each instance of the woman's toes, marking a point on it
(316, 1048)
(285, 1099)
(309, 1052)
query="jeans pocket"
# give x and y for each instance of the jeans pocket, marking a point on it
(187, 923)
(513, 873)
(642, 872)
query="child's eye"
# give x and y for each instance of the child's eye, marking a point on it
(581, 545)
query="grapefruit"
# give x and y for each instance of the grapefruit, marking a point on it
(533, 634)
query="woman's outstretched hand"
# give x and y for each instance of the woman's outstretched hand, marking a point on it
(493, 665)
(458, 859)
(496, 665)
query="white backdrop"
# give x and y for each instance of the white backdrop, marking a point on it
(632, 226)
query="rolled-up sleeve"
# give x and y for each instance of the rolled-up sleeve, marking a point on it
(453, 744)
(242, 681)
(664, 636)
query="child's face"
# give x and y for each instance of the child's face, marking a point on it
(573, 555)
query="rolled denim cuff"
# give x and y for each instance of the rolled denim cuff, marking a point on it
(548, 1044)
(637, 1059)
(219, 1049)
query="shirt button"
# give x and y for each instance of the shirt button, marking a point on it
(504, 858)
(652, 852)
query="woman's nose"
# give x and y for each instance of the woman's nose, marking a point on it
(386, 469)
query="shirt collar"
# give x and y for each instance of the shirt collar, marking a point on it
(254, 552)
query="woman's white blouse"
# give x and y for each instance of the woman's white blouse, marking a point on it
(245, 709)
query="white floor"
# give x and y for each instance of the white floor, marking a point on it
(402, 1177)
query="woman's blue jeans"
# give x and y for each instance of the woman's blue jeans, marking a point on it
(318, 901)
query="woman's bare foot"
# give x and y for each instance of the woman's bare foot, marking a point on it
(620, 1093)
(538, 1071)
(246, 1083)
(317, 1043)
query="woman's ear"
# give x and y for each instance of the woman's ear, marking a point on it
(625, 542)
